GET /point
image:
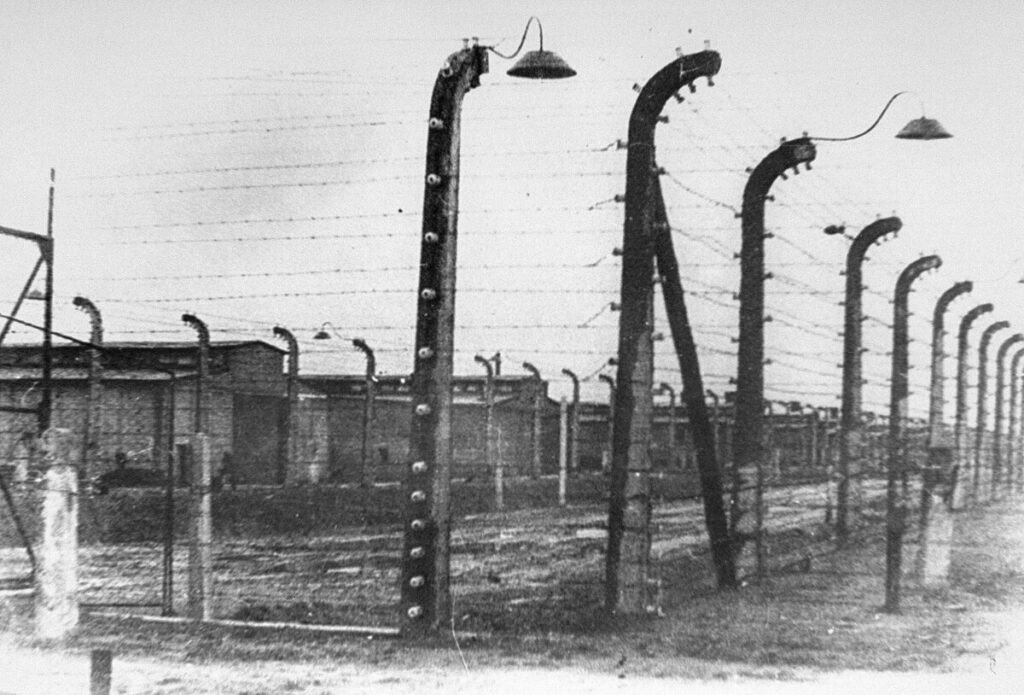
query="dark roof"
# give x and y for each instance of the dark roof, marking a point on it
(149, 345)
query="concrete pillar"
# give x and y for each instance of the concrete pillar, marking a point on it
(56, 578)
(200, 532)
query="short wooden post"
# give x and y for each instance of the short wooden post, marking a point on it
(99, 671)
(563, 449)
(56, 578)
(200, 581)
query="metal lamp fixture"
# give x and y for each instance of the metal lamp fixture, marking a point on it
(323, 334)
(922, 128)
(539, 64)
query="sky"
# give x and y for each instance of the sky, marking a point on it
(261, 163)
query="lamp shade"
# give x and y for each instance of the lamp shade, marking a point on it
(541, 65)
(923, 129)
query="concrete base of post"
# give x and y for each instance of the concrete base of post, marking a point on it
(933, 557)
(56, 578)
(934, 554)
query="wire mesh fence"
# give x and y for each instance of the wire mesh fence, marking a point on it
(330, 553)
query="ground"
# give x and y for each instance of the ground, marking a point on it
(794, 632)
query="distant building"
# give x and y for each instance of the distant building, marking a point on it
(145, 404)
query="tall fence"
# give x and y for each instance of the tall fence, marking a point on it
(329, 553)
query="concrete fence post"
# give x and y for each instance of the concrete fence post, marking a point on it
(200, 579)
(563, 449)
(56, 577)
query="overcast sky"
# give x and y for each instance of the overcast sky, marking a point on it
(261, 163)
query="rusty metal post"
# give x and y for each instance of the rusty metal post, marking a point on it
(574, 423)
(851, 434)
(896, 483)
(94, 405)
(982, 409)
(999, 445)
(748, 443)
(535, 467)
(366, 472)
(288, 461)
(960, 431)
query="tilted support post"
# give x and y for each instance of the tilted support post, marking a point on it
(628, 554)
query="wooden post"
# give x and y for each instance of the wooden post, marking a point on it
(56, 577)
(200, 580)
(563, 449)
(101, 661)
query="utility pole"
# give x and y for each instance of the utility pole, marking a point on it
(574, 423)
(94, 407)
(748, 433)
(366, 473)
(46, 249)
(964, 460)
(896, 484)
(1001, 405)
(536, 437)
(982, 414)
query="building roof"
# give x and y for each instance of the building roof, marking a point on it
(82, 374)
(148, 345)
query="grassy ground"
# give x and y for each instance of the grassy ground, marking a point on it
(809, 626)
